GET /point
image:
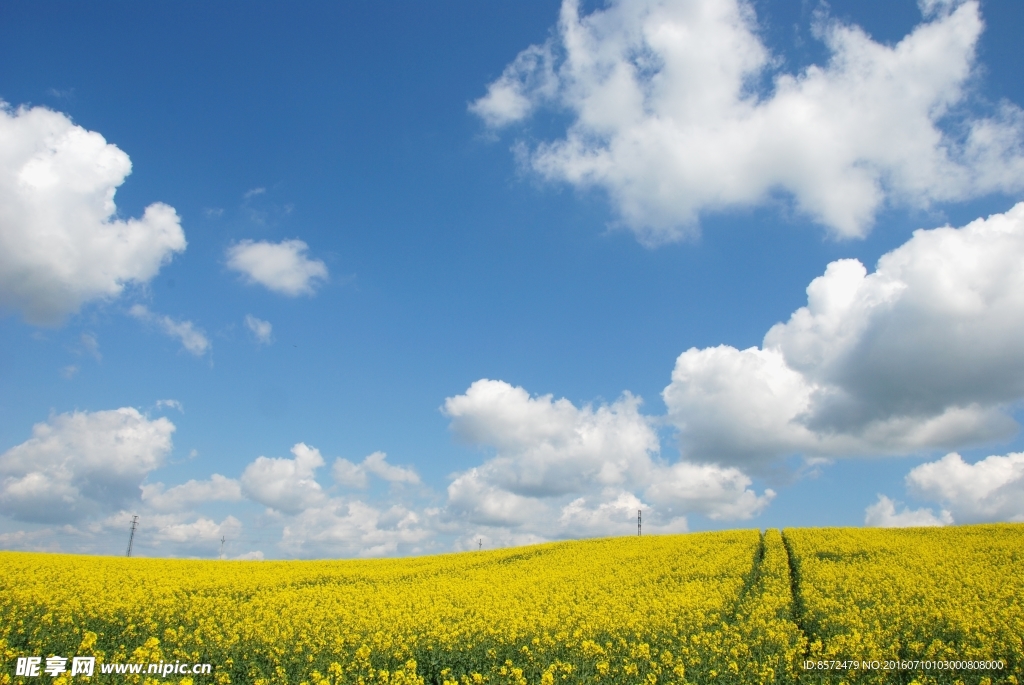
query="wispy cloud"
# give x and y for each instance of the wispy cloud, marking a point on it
(170, 404)
(261, 330)
(193, 339)
(91, 345)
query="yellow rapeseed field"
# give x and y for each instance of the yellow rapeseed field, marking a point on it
(926, 595)
(697, 608)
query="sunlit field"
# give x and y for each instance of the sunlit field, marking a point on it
(872, 606)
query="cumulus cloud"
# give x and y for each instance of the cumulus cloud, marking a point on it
(882, 514)
(551, 447)
(348, 474)
(61, 243)
(557, 471)
(40, 540)
(721, 493)
(195, 492)
(989, 490)
(665, 117)
(157, 533)
(287, 485)
(317, 525)
(924, 353)
(587, 468)
(200, 534)
(81, 464)
(281, 267)
(193, 339)
(613, 513)
(353, 528)
(355, 475)
(472, 495)
(261, 330)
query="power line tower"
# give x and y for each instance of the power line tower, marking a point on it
(481, 541)
(221, 546)
(638, 523)
(131, 534)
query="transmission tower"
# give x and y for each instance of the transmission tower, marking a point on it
(221, 546)
(638, 523)
(131, 534)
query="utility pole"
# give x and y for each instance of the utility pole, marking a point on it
(131, 534)
(221, 546)
(638, 523)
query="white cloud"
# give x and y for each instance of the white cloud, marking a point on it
(989, 490)
(558, 471)
(613, 513)
(193, 339)
(170, 404)
(377, 464)
(353, 528)
(157, 534)
(720, 493)
(79, 464)
(196, 534)
(472, 495)
(40, 540)
(495, 538)
(931, 8)
(524, 84)
(550, 447)
(355, 475)
(61, 243)
(882, 514)
(194, 492)
(923, 353)
(666, 120)
(349, 475)
(287, 485)
(317, 525)
(281, 267)
(563, 471)
(262, 330)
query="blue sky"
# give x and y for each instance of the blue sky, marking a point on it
(413, 269)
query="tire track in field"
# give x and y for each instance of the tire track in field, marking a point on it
(794, 584)
(750, 582)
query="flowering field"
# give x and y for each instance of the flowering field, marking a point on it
(697, 608)
(928, 595)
